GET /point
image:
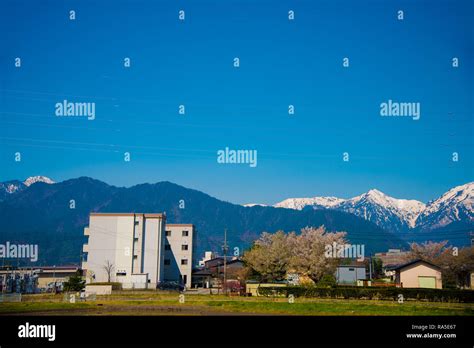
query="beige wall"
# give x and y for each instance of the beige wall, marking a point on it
(409, 276)
(43, 281)
(99, 289)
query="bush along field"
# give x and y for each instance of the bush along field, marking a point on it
(382, 293)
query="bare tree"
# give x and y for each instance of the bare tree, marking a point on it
(428, 251)
(90, 275)
(108, 268)
(457, 264)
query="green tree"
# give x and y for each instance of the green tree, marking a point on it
(75, 282)
(327, 281)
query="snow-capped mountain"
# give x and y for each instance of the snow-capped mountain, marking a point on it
(316, 202)
(398, 215)
(13, 186)
(254, 205)
(384, 210)
(454, 205)
(34, 179)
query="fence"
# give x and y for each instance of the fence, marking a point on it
(73, 297)
(15, 297)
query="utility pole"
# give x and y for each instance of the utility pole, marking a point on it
(224, 249)
(54, 277)
(370, 267)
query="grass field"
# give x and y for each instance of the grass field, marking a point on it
(161, 303)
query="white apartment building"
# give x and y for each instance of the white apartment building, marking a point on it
(178, 253)
(133, 247)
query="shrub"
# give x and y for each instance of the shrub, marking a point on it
(327, 281)
(75, 283)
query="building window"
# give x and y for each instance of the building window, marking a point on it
(168, 233)
(184, 247)
(184, 261)
(167, 247)
(167, 262)
(185, 233)
(351, 269)
(184, 279)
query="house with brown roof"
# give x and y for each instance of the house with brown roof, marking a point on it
(418, 274)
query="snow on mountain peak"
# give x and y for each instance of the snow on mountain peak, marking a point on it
(375, 192)
(34, 179)
(454, 205)
(11, 188)
(373, 205)
(384, 208)
(300, 203)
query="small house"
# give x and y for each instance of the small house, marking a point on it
(418, 274)
(351, 273)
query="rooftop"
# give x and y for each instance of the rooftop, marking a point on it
(147, 215)
(408, 264)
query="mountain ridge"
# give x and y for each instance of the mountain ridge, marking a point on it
(43, 214)
(398, 215)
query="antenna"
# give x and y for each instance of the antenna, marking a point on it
(224, 249)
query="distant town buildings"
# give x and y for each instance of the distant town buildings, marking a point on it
(35, 279)
(208, 255)
(137, 250)
(211, 273)
(392, 257)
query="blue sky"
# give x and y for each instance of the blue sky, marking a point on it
(282, 62)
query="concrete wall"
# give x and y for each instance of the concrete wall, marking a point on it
(153, 250)
(102, 245)
(133, 243)
(176, 271)
(124, 247)
(99, 289)
(408, 277)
